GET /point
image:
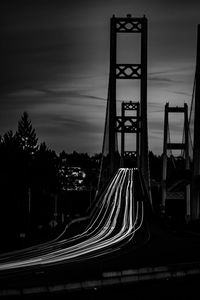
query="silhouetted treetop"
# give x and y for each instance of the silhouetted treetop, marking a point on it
(26, 134)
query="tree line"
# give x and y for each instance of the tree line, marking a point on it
(32, 177)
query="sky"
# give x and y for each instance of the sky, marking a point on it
(55, 65)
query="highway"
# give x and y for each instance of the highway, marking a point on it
(119, 244)
(115, 219)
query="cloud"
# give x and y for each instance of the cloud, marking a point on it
(159, 79)
(64, 133)
(181, 93)
(55, 62)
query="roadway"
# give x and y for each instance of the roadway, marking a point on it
(119, 237)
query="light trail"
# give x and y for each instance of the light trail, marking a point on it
(114, 222)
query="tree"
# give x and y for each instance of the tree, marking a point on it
(12, 181)
(45, 169)
(155, 163)
(26, 135)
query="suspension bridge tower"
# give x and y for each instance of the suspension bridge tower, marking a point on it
(192, 160)
(178, 189)
(137, 123)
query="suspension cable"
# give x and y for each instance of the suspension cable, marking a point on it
(104, 138)
(190, 116)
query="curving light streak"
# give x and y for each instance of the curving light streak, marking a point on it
(115, 219)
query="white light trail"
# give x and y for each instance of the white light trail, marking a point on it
(116, 218)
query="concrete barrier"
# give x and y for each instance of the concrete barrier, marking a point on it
(113, 278)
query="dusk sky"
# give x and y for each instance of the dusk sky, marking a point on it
(55, 65)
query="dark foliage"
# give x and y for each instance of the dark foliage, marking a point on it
(155, 164)
(34, 197)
